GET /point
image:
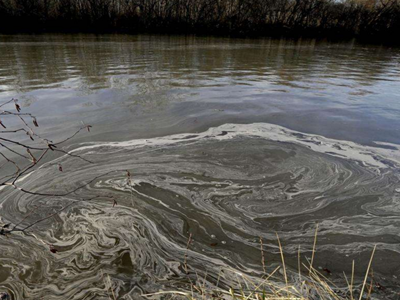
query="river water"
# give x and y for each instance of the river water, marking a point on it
(228, 140)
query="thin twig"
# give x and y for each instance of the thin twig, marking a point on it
(314, 247)
(262, 255)
(366, 273)
(186, 252)
(283, 260)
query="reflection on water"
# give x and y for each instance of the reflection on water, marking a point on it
(337, 90)
(228, 185)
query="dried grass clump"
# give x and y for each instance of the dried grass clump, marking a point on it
(310, 286)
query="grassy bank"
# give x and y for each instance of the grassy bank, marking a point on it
(307, 283)
(374, 20)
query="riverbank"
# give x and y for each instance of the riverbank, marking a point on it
(368, 21)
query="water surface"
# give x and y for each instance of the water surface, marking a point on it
(226, 139)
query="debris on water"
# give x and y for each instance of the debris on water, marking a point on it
(397, 190)
(379, 286)
(223, 242)
(4, 232)
(53, 249)
(4, 296)
(327, 271)
(213, 244)
(213, 236)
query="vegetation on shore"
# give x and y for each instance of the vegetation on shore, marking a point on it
(366, 19)
(279, 284)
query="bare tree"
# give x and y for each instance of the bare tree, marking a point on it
(364, 18)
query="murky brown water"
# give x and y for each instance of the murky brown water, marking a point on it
(227, 139)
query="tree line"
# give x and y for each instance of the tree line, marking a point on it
(374, 19)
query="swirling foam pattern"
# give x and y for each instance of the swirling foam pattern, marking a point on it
(227, 186)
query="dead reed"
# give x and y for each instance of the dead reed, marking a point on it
(309, 285)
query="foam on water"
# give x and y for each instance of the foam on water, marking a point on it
(227, 186)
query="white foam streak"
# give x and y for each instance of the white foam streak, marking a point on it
(370, 156)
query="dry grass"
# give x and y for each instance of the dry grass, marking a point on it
(277, 285)
(108, 286)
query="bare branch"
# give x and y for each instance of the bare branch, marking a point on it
(31, 160)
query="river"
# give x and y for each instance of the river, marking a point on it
(228, 140)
